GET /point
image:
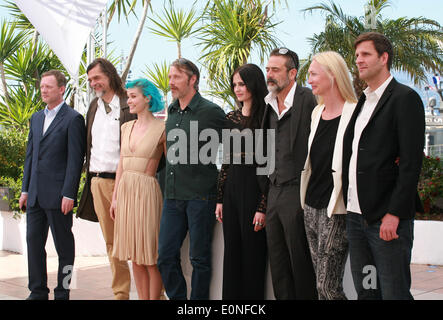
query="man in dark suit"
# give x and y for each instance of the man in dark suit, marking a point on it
(54, 159)
(288, 113)
(106, 114)
(387, 124)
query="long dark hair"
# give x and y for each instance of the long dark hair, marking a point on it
(115, 82)
(255, 82)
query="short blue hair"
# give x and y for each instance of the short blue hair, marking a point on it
(148, 89)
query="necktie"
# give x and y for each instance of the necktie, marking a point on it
(107, 107)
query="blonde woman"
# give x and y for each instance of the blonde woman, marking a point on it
(321, 185)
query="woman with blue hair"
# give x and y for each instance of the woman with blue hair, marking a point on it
(137, 198)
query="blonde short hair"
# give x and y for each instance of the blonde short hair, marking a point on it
(334, 64)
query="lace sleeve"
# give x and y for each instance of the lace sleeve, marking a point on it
(235, 118)
(221, 182)
(261, 207)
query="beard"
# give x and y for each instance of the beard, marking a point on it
(275, 87)
(99, 94)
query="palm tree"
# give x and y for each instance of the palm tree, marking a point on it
(23, 65)
(158, 74)
(146, 5)
(415, 40)
(22, 22)
(18, 113)
(10, 41)
(176, 25)
(233, 29)
(121, 7)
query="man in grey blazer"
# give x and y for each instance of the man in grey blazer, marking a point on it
(53, 164)
(288, 112)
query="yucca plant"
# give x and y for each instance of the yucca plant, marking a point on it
(122, 8)
(26, 65)
(158, 74)
(233, 29)
(21, 107)
(18, 16)
(10, 41)
(221, 88)
(175, 25)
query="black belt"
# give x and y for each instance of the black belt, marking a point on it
(104, 175)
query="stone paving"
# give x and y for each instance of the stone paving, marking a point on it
(92, 278)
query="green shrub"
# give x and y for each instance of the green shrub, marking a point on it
(430, 185)
(12, 151)
(15, 186)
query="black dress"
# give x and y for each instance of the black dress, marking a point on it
(245, 250)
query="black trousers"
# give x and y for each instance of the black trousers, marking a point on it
(244, 262)
(292, 271)
(38, 221)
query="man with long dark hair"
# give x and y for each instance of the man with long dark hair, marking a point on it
(106, 114)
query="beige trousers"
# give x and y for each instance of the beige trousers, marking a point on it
(102, 194)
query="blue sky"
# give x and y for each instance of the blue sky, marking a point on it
(293, 31)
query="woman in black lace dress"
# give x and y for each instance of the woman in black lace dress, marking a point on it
(241, 206)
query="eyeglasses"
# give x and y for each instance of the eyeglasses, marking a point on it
(286, 51)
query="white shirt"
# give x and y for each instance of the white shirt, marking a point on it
(372, 98)
(105, 146)
(271, 99)
(50, 116)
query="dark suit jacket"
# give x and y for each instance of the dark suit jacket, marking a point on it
(304, 103)
(86, 207)
(54, 160)
(395, 129)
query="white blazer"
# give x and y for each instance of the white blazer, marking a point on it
(336, 204)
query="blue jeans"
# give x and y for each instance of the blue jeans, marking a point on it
(177, 217)
(380, 269)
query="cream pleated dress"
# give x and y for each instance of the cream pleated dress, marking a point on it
(139, 198)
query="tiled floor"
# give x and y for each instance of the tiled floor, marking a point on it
(92, 278)
(427, 282)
